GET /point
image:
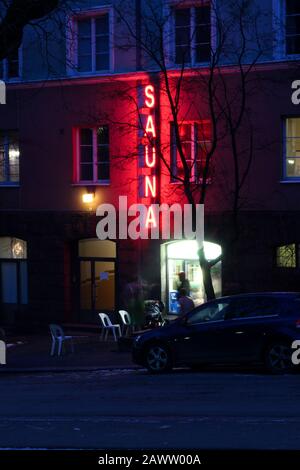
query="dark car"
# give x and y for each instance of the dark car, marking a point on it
(246, 328)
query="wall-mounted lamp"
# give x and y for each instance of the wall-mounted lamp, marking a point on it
(88, 197)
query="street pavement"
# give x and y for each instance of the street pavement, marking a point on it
(32, 353)
(131, 409)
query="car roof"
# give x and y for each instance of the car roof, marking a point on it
(278, 295)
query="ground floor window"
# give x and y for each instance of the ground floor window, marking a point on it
(287, 256)
(182, 257)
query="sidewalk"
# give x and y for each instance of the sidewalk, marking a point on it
(32, 354)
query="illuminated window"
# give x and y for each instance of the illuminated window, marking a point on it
(12, 248)
(195, 139)
(9, 158)
(93, 43)
(10, 67)
(292, 21)
(292, 148)
(93, 155)
(286, 256)
(192, 34)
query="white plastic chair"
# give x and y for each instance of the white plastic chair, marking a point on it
(126, 322)
(107, 326)
(58, 338)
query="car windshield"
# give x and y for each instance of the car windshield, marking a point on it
(213, 311)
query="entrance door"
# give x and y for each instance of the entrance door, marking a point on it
(97, 287)
(97, 280)
(13, 279)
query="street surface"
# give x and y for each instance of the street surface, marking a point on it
(130, 409)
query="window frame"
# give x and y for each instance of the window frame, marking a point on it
(76, 176)
(279, 32)
(288, 55)
(192, 8)
(5, 64)
(72, 42)
(285, 177)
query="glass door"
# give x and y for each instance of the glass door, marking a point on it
(85, 285)
(104, 285)
(97, 288)
(13, 289)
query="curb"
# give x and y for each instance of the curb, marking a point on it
(36, 370)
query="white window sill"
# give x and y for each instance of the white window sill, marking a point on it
(9, 185)
(188, 65)
(12, 79)
(89, 183)
(200, 181)
(282, 57)
(287, 181)
(90, 74)
(292, 56)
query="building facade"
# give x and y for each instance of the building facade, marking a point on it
(87, 102)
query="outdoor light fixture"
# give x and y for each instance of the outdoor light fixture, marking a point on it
(88, 196)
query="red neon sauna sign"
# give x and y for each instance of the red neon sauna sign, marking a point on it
(148, 182)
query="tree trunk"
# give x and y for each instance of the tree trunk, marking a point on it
(206, 274)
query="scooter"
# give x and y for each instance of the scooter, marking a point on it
(153, 313)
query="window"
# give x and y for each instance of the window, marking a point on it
(93, 155)
(292, 148)
(192, 35)
(93, 43)
(292, 30)
(214, 311)
(9, 158)
(252, 307)
(286, 256)
(10, 67)
(195, 139)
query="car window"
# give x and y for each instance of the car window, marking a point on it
(252, 307)
(212, 312)
(290, 306)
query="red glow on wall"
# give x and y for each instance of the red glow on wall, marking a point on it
(150, 131)
(148, 188)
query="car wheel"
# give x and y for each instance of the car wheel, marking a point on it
(278, 358)
(158, 358)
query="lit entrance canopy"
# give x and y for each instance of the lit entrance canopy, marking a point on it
(188, 249)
